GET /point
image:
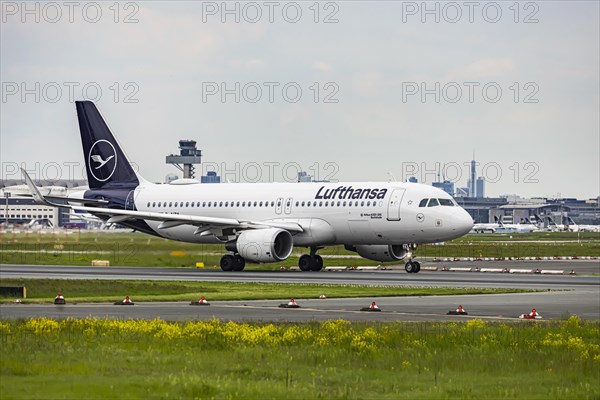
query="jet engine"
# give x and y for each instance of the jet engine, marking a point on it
(381, 253)
(263, 245)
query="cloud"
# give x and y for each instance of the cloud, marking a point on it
(485, 68)
(322, 66)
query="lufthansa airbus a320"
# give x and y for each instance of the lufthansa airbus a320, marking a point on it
(261, 222)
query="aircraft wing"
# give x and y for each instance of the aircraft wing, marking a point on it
(167, 220)
(70, 199)
(172, 220)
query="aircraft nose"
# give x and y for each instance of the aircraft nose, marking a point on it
(463, 222)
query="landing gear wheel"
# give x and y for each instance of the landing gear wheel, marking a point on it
(305, 263)
(417, 265)
(316, 263)
(228, 262)
(240, 263)
(412, 267)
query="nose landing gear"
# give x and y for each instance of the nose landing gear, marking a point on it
(412, 267)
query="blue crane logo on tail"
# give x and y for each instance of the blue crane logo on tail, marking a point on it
(102, 160)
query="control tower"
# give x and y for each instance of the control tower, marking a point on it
(188, 156)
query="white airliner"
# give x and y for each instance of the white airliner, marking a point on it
(484, 227)
(262, 222)
(571, 226)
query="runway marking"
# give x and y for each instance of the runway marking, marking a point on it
(382, 312)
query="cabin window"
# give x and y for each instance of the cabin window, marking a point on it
(220, 204)
(344, 204)
(260, 204)
(302, 204)
(187, 203)
(198, 204)
(362, 203)
(170, 204)
(272, 203)
(446, 202)
(308, 204)
(148, 205)
(297, 203)
(203, 204)
(320, 204)
(326, 204)
(208, 204)
(154, 204)
(433, 203)
(423, 203)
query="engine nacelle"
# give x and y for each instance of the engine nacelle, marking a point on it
(264, 245)
(381, 253)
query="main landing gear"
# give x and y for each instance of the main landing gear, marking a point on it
(231, 262)
(312, 262)
(412, 267)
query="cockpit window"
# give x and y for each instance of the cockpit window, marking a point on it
(423, 203)
(433, 203)
(446, 202)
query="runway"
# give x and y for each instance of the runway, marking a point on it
(570, 295)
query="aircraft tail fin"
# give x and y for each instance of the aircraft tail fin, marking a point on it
(106, 164)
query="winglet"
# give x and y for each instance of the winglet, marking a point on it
(35, 192)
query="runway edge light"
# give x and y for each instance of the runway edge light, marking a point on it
(372, 308)
(126, 302)
(60, 299)
(201, 302)
(532, 315)
(291, 304)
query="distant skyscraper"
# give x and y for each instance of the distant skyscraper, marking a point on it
(480, 187)
(472, 181)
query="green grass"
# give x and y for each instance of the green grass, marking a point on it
(136, 249)
(97, 290)
(74, 359)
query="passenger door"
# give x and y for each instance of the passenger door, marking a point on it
(394, 204)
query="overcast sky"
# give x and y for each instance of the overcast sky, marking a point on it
(385, 88)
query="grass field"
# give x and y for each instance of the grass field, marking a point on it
(74, 359)
(80, 290)
(136, 249)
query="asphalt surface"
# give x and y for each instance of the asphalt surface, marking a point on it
(570, 294)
